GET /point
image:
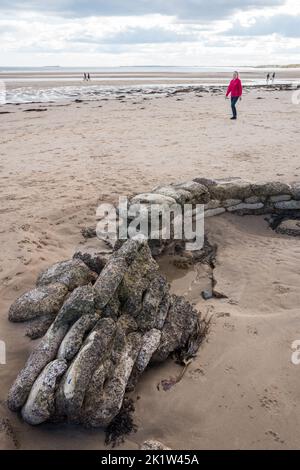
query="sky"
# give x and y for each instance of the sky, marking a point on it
(149, 32)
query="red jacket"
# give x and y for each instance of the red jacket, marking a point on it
(235, 88)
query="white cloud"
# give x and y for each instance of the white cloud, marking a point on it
(134, 32)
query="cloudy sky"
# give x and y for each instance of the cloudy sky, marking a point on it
(149, 32)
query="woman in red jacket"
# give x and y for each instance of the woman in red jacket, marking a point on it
(236, 90)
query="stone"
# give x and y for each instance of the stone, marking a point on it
(288, 205)
(130, 249)
(206, 182)
(213, 204)
(113, 273)
(181, 321)
(72, 388)
(135, 209)
(125, 325)
(207, 294)
(93, 258)
(150, 343)
(95, 396)
(154, 445)
(157, 247)
(162, 311)
(153, 198)
(135, 282)
(72, 273)
(140, 218)
(109, 237)
(248, 207)
(280, 198)
(289, 227)
(231, 202)
(142, 289)
(112, 308)
(48, 347)
(267, 209)
(101, 353)
(73, 340)
(295, 191)
(155, 302)
(38, 327)
(40, 405)
(270, 188)
(254, 200)
(45, 300)
(109, 280)
(105, 395)
(199, 192)
(181, 196)
(88, 232)
(231, 190)
(80, 302)
(39, 358)
(214, 212)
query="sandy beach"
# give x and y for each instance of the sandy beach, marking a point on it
(60, 160)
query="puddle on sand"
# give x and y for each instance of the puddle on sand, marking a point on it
(189, 281)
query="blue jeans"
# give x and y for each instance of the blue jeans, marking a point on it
(234, 100)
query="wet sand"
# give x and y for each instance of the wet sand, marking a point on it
(58, 164)
(53, 79)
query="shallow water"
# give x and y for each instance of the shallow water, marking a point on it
(45, 93)
(189, 281)
(93, 92)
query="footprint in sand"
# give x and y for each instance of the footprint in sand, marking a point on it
(274, 436)
(229, 326)
(27, 261)
(230, 369)
(269, 403)
(196, 373)
(222, 314)
(251, 330)
(282, 290)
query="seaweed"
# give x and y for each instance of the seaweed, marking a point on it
(6, 428)
(122, 424)
(184, 356)
(190, 349)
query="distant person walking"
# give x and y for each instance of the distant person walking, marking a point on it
(88, 76)
(235, 89)
(84, 76)
(273, 77)
(268, 78)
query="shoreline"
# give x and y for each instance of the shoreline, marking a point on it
(123, 90)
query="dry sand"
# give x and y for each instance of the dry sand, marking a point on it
(57, 165)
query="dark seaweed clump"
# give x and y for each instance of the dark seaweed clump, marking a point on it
(122, 424)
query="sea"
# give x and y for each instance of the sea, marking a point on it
(55, 83)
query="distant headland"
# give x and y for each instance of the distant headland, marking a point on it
(289, 66)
